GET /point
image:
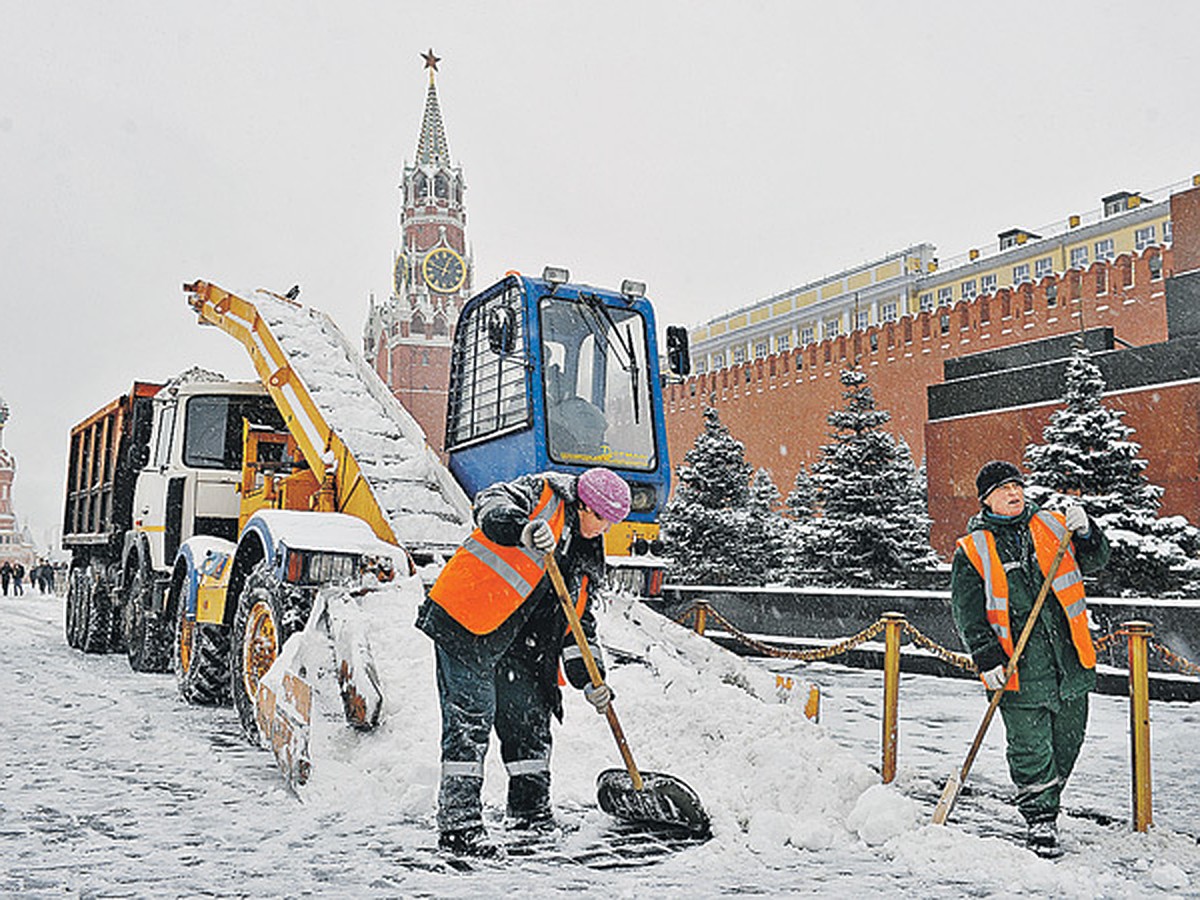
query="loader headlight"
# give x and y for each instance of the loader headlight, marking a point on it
(318, 567)
(642, 497)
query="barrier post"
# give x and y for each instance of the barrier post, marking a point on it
(701, 616)
(1139, 720)
(893, 627)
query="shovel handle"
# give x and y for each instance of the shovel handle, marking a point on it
(589, 661)
(950, 794)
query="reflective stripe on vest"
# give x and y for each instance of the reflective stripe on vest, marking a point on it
(484, 582)
(1047, 529)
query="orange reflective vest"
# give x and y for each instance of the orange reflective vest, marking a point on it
(1047, 529)
(484, 582)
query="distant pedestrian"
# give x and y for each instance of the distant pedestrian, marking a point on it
(6, 575)
(18, 574)
(997, 572)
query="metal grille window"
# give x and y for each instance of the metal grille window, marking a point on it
(488, 391)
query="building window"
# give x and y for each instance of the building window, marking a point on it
(783, 343)
(760, 350)
(1079, 257)
(832, 327)
(874, 341)
(701, 367)
(1155, 264)
(1105, 249)
(926, 301)
(945, 323)
(889, 311)
(987, 283)
(806, 335)
(985, 311)
(1102, 281)
(1043, 267)
(863, 319)
(1020, 273)
(945, 295)
(1167, 232)
(718, 361)
(1143, 237)
(967, 289)
(739, 355)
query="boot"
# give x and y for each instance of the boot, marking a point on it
(1043, 839)
(470, 841)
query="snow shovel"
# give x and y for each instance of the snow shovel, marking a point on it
(954, 785)
(645, 797)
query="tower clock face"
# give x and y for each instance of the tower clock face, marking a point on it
(400, 275)
(444, 270)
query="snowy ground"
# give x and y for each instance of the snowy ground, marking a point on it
(111, 786)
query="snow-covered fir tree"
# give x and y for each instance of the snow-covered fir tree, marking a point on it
(766, 529)
(703, 525)
(800, 511)
(1088, 457)
(872, 527)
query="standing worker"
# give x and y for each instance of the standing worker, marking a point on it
(998, 570)
(499, 632)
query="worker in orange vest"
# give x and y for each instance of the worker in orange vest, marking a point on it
(997, 572)
(500, 633)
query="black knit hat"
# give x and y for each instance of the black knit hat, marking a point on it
(995, 473)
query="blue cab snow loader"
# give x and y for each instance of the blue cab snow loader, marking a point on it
(549, 375)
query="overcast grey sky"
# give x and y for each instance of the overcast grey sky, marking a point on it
(722, 152)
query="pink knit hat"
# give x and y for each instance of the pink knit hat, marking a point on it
(605, 493)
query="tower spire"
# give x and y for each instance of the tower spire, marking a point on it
(431, 146)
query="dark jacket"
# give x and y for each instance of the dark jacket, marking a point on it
(537, 631)
(1049, 669)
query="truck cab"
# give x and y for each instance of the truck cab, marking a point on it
(189, 483)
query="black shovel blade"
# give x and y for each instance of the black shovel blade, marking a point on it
(664, 800)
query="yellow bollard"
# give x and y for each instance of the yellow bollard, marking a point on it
(892, 629)
(1139, 720)
(812, 706)
(701, 616)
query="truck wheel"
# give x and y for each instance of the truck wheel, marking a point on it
(200, 655)
(266, 617)
(147, 640)
(73, 618)
(97, 619)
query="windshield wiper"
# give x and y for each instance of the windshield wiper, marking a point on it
(624, 343)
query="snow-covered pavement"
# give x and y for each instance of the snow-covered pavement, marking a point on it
(111, 786)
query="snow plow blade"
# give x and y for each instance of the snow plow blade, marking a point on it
(333, 647)
(664, 801)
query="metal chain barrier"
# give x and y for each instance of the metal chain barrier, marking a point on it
(815, 655)
(944, 653)
(1175, 661)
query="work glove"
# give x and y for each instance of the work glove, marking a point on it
(599, 696)
(538, 536)
(1077, 520)
(993, 679)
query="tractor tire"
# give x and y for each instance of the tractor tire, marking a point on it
(147, 638)
(200, 653)
(267, 615)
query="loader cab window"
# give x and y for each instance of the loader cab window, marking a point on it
(488, 393)
(597, 387)
(212, 434)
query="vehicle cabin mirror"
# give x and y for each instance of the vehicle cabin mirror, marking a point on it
(678, 359)
(502, 330)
